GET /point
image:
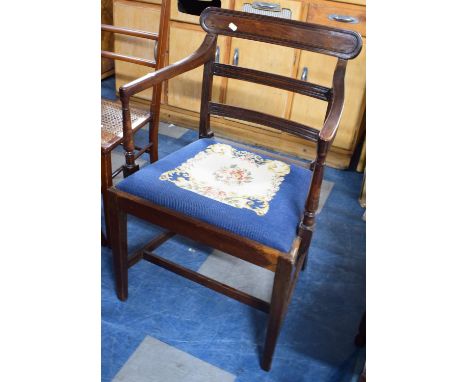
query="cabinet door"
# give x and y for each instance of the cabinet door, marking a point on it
(311, 111)
(264, 57)
(184, 91)
(135, 15)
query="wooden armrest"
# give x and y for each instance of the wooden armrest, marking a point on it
(332, 121)
(199, 57)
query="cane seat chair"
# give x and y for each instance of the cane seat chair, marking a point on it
(254, 207)
(113, 132)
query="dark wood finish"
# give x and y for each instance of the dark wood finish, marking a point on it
(274, 80)
(360, 339)
(287, 266)
(202, 232)
(202, 55)
(208, 282)
(282, 124)
(340, 43)
(207, 87)
(106, 183)
(148, 247)
(118, 236)
(153, 118)
(361, 138)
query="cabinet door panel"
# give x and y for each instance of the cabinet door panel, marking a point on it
(311, 112)
(264, 57)
(135, 15)
(184, 91)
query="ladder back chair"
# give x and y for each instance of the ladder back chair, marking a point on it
(256, 208)
(113, 132)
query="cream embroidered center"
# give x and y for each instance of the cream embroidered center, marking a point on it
(240, 179)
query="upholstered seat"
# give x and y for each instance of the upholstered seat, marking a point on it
(231, 188)
(111, 122)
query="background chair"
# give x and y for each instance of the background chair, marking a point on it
(270, 227)
(113, 132)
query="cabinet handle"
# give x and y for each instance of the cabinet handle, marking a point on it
(343, 19)
(217, 55)
(263, 6)
(305, 73)
(235, 58)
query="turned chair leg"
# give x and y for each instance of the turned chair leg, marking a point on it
(118, 228)
(106, 183)
(279, 303)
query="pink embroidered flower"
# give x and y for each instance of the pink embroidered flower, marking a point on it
(233, 175)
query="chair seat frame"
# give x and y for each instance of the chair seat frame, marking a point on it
(336, 42)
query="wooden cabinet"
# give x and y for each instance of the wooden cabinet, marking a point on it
(136, 15)
(184, 91)
(265, 57)
(310, 111)
(182, 95)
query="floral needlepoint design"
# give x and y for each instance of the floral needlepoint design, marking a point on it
(240, 179)
(233, 174)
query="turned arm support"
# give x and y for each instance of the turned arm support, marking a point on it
(325, 139)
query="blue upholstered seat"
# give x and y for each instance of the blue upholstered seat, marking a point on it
(190, 181)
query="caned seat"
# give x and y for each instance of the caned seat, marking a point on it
(112, 126)
(210, 181)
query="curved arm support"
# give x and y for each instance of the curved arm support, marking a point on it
(332, 121)
(199, 57)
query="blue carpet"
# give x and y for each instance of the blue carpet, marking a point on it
(316, 342)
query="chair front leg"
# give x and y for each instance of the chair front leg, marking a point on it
(118, 228)
(279, 302)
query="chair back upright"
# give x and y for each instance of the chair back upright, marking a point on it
(342, 44)
(160, 52)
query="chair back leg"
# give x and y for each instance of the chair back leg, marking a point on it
(106, 182)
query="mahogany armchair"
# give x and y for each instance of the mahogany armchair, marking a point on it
(113, 132)
(256, 208)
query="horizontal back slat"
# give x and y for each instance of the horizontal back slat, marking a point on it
(123, 57)
(263, 119)
(129, 32)
(295, 34)
(275, 80)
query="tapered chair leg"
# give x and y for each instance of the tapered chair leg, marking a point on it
(118, 228)
(106, 183)
(304, 264)
(279, 303)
